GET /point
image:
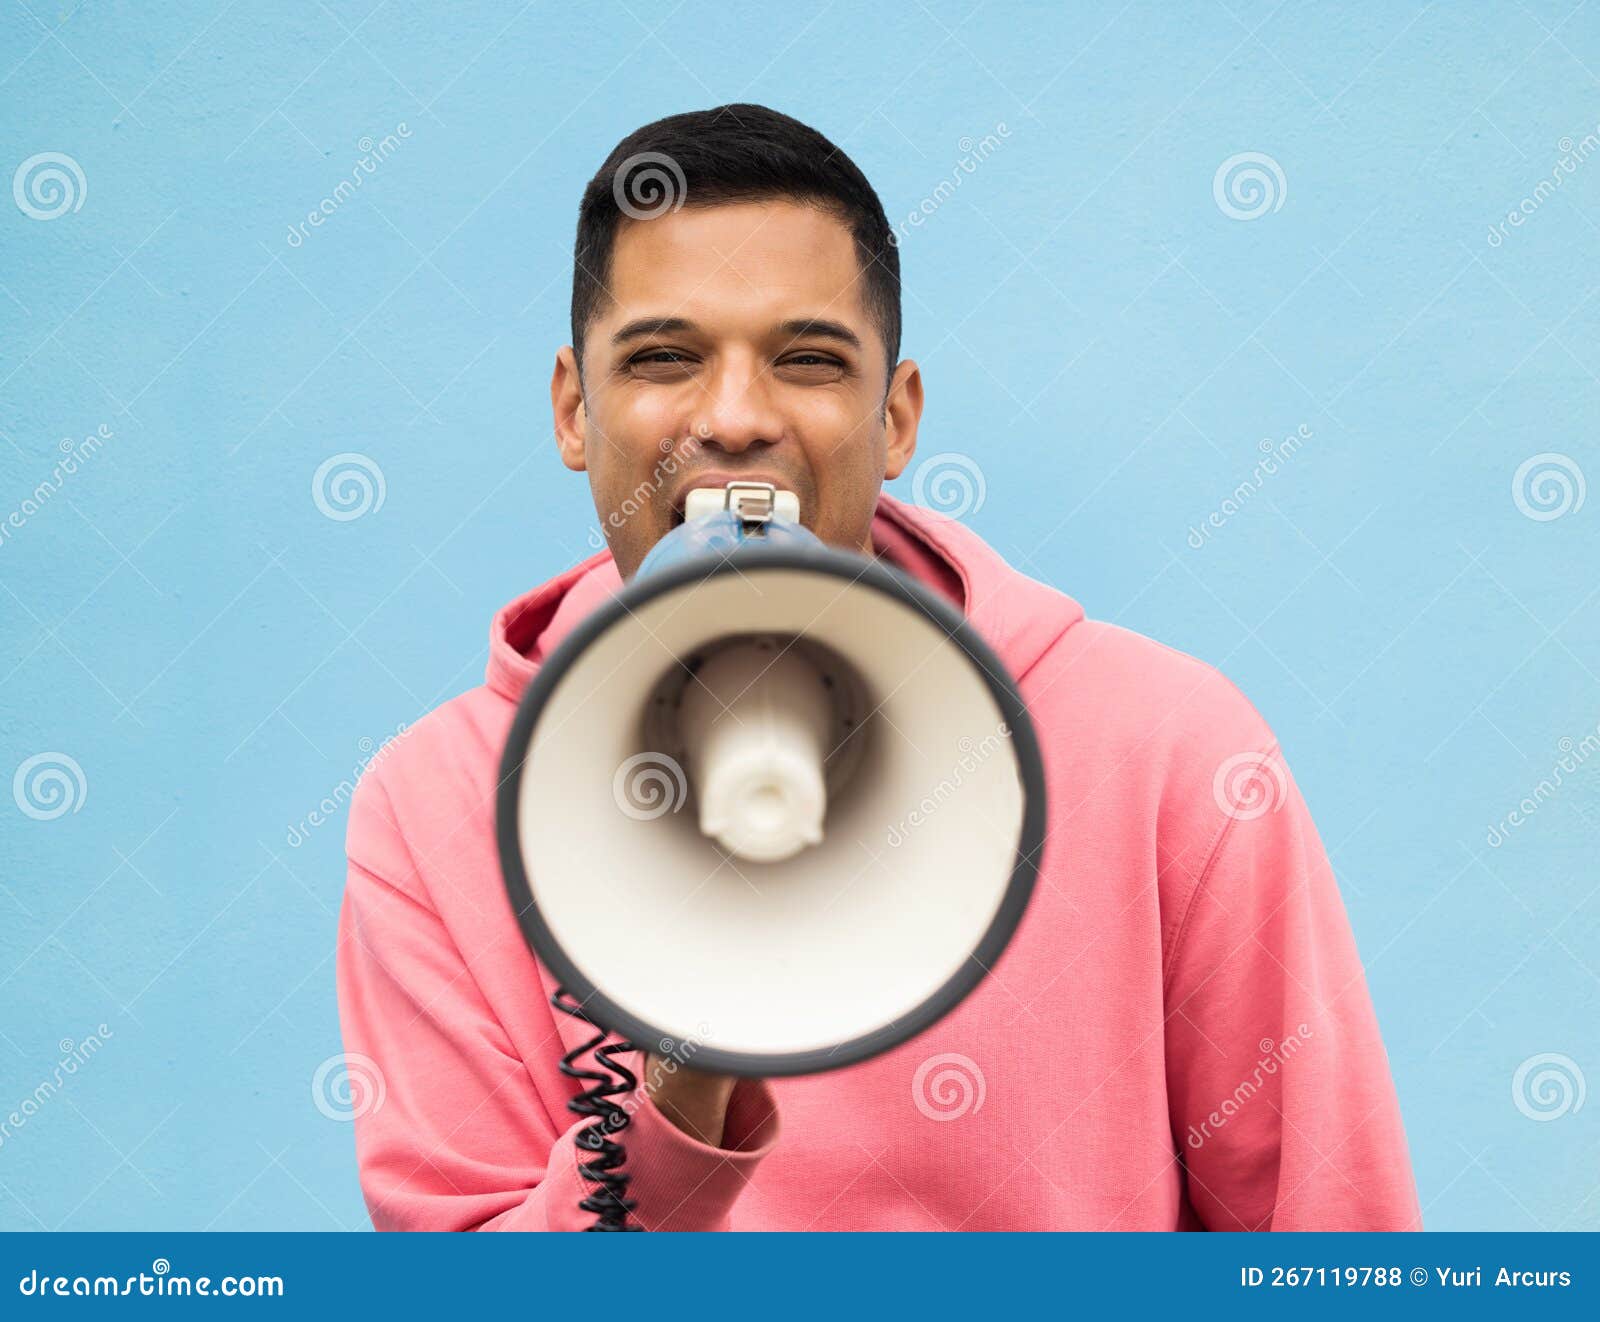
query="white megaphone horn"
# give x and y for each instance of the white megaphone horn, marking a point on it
(773, 798)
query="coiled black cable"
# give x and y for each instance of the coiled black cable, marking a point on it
(609, 1201)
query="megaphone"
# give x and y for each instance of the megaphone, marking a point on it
(773, 798)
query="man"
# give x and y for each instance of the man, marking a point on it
(1179, 1035)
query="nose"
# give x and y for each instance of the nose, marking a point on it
(739, 408)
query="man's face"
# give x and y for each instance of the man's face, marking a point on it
(735, 344)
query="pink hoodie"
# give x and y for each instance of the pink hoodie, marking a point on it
(1179, 1036)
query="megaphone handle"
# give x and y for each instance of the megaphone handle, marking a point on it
(609, 1201)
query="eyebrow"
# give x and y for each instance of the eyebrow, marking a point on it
(817, 326)
(795, 328)
(643, 326)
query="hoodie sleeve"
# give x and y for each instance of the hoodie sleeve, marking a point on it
(1282, 1103)
(452, 1129)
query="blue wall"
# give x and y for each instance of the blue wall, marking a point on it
(1100, 331)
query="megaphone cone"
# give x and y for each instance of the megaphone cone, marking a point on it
(772, 798)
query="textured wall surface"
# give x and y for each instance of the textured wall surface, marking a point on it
(200, 637)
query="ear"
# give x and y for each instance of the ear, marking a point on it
(902, 412)
(566, 403)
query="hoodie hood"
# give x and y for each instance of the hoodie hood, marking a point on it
(1018, 616)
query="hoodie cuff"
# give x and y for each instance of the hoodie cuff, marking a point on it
(681, 1183)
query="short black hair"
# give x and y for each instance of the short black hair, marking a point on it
(732, 153)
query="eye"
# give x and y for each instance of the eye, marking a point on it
(813, 362)
(659, 366)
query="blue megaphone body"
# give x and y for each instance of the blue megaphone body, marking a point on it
(742, 516)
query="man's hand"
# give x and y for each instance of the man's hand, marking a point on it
(696, 1103)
